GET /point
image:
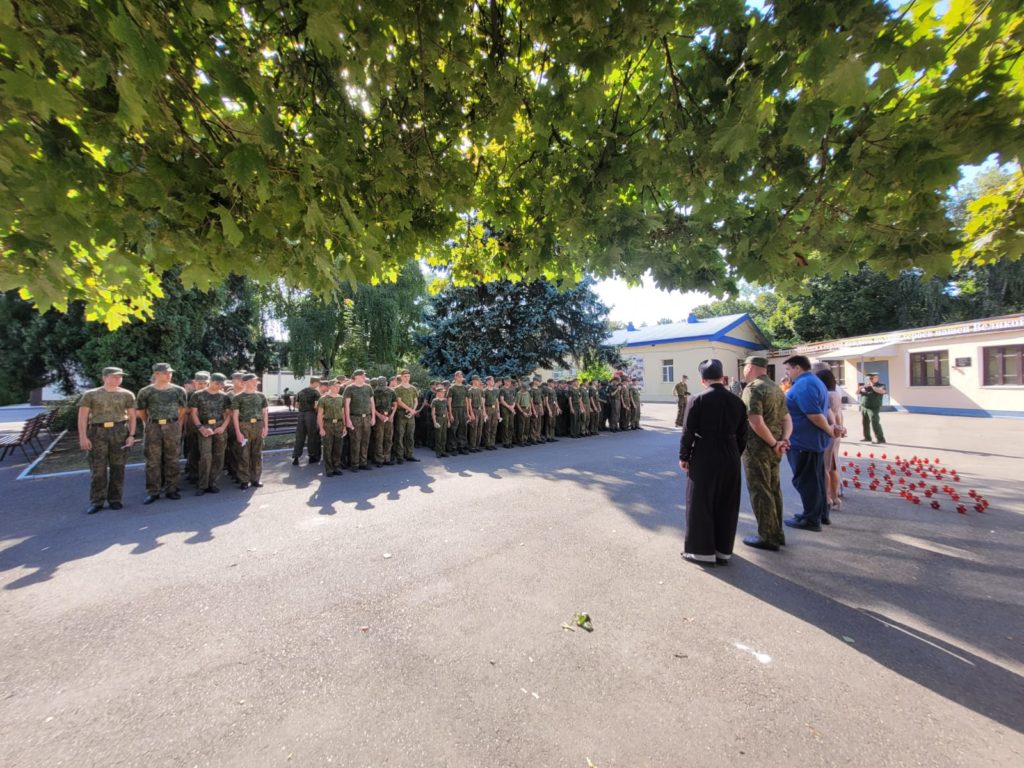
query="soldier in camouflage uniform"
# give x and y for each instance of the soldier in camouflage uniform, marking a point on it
(383, 428)
(614, 404)
(457, 396)
(161, 405)
(491, 408)
(524, 409)
(550, 410)
(359, 419)
(536, 412)
(682, 393)
(330, 417)
(250, 411)
(507, 412)
(233, 452)
(305, 428)
(772, 425)
(441, 414)
(106, 427)
(200, 381)
(210, 416)
(477, 415)
(634, 399)
(595, 408)
(406, 396)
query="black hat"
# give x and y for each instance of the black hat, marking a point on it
(710, 369)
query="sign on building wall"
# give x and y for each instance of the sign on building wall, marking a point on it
(634, 368)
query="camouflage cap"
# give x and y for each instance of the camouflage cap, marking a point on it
(162, 368)
(404, 372)
(218, 377)
(248, 377)
(113, 371)
(358, 372)
(237, 374)
(759, 360)
(317, 379)
(201, 376)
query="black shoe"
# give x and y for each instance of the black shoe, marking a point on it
(151, 499)
(880, 442)
(257, 484)
(116, 505)
(353, 469)
(398, 461)
(463, 452)
(312, 463)
(389, 463)
(243, 486)
(758, 543)
(213, 489)
(803, 525)
(703, 563)
(552, 439)
(720, 560)
(365, 466)
(295, 462)
(826, 521)
(200, 492)
(93, 509)
(412, 458)
(508, 446)
(173, 495)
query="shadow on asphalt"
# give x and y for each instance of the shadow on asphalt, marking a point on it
(947, 669)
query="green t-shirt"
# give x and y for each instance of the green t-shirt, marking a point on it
(491, 397)
(458, 393)
(209, 406)
(360, 396)
(407, 394)
(161, 403)
(249, 405)
(524, 399)
(537, 396)
(333, 407)
(764, 398)
(508, 395)
(105, 407)
(439, 407)
(383, 399)
(476, 398)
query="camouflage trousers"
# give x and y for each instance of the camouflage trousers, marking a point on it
(616, 416)
(359, 440)
(508, 426)
(476, 429)
(162, 447)
(405, 434)
(595, 420)
(522, 420)
(211, 458)
(106, 462)
(332, 444)
(535, 426)
(383, 434)
(441, 437)
(250, 455)
(460, 428)
(549, 426)
(491, 426)
(680, 412)
(190, 439)
(761, 465)
(625, 418)
(635, 416)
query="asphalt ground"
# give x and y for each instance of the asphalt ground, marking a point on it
(412, 616)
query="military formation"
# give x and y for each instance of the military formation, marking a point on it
(345, 424)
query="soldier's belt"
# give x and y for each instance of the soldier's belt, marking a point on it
(335, 421)
(211, 421)
(360, 415)
(254, 421)
(108, 424)
(162, 421)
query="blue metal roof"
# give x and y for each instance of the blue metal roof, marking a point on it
(705, 329)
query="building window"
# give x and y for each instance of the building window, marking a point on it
(929, 369)
(838, 369)
(668, 371)
(1003, 365)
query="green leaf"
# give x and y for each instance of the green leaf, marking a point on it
(847, 85)
(228, 226)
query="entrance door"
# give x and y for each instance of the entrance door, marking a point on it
(881, 367)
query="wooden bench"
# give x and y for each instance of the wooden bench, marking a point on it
(29, 435)
(280, 422)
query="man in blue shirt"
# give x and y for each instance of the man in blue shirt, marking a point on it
(807, 403)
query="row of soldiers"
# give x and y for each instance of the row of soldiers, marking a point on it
(350, 421)
(358, 429)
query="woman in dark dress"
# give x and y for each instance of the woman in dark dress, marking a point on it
(713, 438)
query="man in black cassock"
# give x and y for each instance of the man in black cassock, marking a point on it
(713, 438)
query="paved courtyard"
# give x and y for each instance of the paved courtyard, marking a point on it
(412, 616)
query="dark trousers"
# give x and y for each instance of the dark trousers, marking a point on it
(809, 481)
(306, 430)
(870, 420)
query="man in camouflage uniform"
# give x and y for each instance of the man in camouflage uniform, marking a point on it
(200, 381)
(634, 400)
(524, 409)
(682, 393)
(305, 428)
(250, 411)
(234, 450)
(106, 427)
(406, 396)
(490, 409)
(359, 419)
(383, 428)
(210, 416)
(161, 406)
(458, 395)
(330, 417)
(771, 424)
(441, 415)
(537, 414)
(507, 412)
(595, 408)
(477, 414)
(550, 410)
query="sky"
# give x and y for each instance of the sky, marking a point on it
(646, 303)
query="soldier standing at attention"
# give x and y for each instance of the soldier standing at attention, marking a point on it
(406, 396)
(772, 425)
(524, 408)
(359, 419)
(634, 398)
(595, 408)
(478, 416)
(330, 418)
(551, 410)
(161, 406)
(200, 381)
(250, 411)
(384, 411)
(682, 393)
(457, 396)
(305, 428)
(233, 450)
(106, 427)
(491, 407)
(537, 411)
(440, 412)
(614, 404)
(210, 412)
(871, 393)
(507, 412)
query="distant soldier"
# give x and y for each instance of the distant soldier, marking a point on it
(383, 428)
(563, 426)
(161, 406)
(871, 394)
(507, 412)
(682, 393)
(106, 427)
(457, 396)
(537, 411)
(441, 414)
(359, 419)
(583, 401)
(233, 451)
(306, 431)
(200, 381)
(524, 409)
(595, 408)
(477, 414)
(550, 410)
(634, 396)
(330, 417)
(406, 397)
(491, 408)
(250, 411)
(210, 415)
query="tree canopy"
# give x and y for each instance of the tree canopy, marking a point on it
(321, 141)
(503, 328)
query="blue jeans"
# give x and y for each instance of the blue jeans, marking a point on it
(809, 481)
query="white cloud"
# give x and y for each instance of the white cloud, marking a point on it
(646, 303)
